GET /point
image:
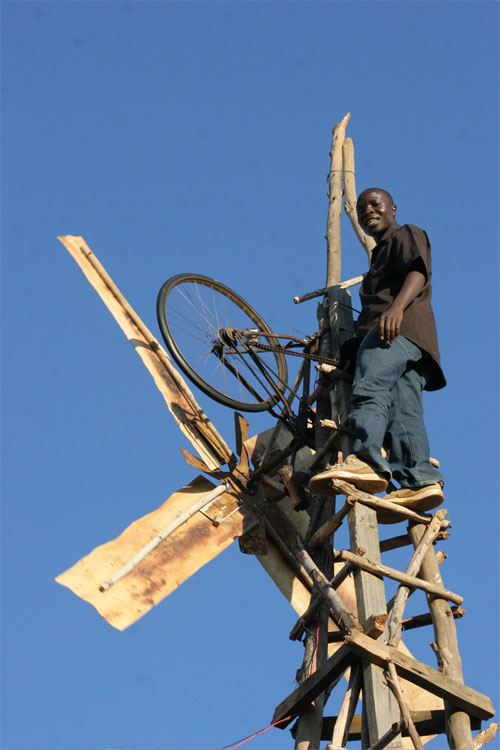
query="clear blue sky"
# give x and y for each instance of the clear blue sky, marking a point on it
(188, 136)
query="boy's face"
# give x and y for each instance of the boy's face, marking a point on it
(376, 212)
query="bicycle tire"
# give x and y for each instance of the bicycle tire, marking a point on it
(192, 310)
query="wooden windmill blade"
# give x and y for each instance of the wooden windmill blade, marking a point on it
(124, 578)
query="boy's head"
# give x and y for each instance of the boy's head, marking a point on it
(376, 211)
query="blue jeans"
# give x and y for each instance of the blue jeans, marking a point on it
(386, 409)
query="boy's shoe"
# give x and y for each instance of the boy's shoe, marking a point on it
(419, 499)
(352, 470)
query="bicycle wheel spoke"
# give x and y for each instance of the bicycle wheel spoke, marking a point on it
(197, 316)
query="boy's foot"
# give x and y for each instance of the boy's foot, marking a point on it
(419, 499)
(352, 470)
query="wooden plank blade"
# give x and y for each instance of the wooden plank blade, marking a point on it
(193, 544)
(189, 416)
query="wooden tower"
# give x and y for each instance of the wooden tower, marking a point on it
(349, 628)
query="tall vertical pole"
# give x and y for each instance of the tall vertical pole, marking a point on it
(308, 733)
(334, 254)
(380, 709)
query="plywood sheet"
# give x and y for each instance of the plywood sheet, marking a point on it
(186, 550)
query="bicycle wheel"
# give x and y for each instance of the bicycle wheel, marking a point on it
(195, 314)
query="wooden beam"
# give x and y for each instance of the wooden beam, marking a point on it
(393, 680)
(343, 614)
(380, 706)
(418, 621)
(335, 203)
(426, 723)
(350, 197)
(300, 699)
(430, 534)
(430, 679)
(345, 488)
(347, 708)
(394, 542)
(383, 570)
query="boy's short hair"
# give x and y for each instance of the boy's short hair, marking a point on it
(379, 190)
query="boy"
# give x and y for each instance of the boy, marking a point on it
(397, 357)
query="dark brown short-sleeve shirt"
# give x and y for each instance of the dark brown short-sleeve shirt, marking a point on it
(400, 250)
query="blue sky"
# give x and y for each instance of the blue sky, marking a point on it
(194, 136)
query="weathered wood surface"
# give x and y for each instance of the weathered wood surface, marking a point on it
(350, 197)
(190, 418)
(335, 204)
(180, 555)
(345, 488)
(347, 709)
(430, 679)
(413, 568)
(426, 722)
(345, 617)
(302, 696)
(380, 706)
(403, 706)
(396, 575)
(485, 736)
(330, 526)
(458, 723)
(419, 621)
(308, 728)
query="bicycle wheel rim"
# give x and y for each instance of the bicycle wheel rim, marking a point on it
(191, 311)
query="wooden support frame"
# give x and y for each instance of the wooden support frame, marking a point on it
(464, 698)
(305, 693)
(457, 721)
(427, 722)
(384, 570)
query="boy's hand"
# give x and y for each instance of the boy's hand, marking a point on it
(390, 323)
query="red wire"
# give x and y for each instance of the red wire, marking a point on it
(250, 737)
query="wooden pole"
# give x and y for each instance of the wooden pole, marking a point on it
(458, 728)
(346, 618)
(405, 711)
(379, 704)
(433, 529)
(335, 204)
(378, 569)
(308, 735)
(346, 712)
(350, 197)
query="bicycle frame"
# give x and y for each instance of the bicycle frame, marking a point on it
(247, 343)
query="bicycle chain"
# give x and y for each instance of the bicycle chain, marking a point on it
(304, 355)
